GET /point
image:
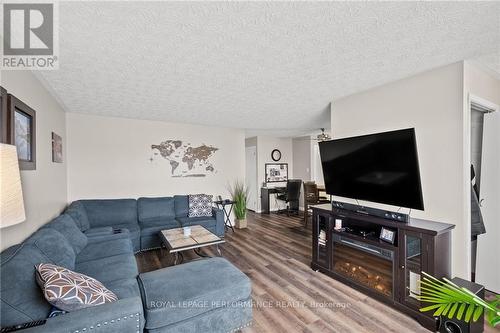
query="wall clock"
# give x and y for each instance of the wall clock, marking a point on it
(276, 155)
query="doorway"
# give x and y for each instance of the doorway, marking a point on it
(485, 191)
(251, 176)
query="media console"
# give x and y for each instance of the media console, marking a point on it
(387, 271)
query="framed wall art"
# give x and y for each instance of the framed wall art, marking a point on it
(276, 172)
(57, 149)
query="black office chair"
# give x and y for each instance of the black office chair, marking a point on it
(291, 196)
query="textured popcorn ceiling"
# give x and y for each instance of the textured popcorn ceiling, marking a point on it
(259, 66)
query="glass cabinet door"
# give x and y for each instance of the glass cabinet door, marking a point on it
(322, 235)
(412, 267)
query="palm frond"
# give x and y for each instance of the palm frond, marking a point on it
(448, 299)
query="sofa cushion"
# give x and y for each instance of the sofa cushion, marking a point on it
(155, 208)
(213, 283)
(110, 269)
(77, 211)
(200, 205)
(106, 248)
(124, 288)
(181, 203)
(67, 226)
(71, 291)
(207, 222)
(150, 234)
(22, 299)
(101, 237)
(154, 226)
(232, 318)
(111, 212)
(99, 231)
(54, 246)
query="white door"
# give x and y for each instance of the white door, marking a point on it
(488, 261)
(251, 176)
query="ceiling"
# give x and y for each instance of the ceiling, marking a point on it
(267, 67)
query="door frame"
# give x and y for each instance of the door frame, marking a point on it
(256, 194)
(491, 107)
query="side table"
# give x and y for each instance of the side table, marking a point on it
(227, 207)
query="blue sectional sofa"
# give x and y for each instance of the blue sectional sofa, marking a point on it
(142, 218)
(99, 238)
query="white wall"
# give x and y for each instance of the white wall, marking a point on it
(432, 103)
(110, 158)
(301, 147)
(265, 145)
(479, 83)
(302, 162)
(44, 189)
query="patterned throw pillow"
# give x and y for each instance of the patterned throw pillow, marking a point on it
(200, 205)
(70, 291)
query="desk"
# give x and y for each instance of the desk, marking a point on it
(265, 193)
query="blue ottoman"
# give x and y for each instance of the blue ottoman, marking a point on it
(209, 295)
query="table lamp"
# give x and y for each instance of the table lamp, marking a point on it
(11, 193)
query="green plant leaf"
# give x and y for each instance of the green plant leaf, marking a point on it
(461, 311)
(453, 301)
(446, 309)
(493, 313)
(470, 311)
(239, 194)
(432, 299)
(430, 307)
(440, 310)
(477, 313)
(495, 321)
(453, 310)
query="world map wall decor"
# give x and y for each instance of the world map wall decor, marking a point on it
(185, 159)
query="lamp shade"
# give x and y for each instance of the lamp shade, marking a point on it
(11, 193)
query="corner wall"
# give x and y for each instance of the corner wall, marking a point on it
(480, 83)
(302, 162)
(111, 158)
(432, 103)
(265, 145)
(44, 189)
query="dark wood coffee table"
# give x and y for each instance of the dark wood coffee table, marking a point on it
(175, 241)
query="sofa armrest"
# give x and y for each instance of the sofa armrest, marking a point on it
(125, 315)
(219, 217)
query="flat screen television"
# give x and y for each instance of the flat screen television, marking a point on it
(381, 167)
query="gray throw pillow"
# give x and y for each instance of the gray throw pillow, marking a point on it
(200, 205)
(70, 291)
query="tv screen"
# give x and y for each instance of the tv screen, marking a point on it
(380, 167)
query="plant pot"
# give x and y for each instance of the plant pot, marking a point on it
(240, 224)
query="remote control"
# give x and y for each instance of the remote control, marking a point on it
(23, 326)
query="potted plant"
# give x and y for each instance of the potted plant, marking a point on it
(448, 299)
(239, 194)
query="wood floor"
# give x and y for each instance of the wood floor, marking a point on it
(275, 252)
